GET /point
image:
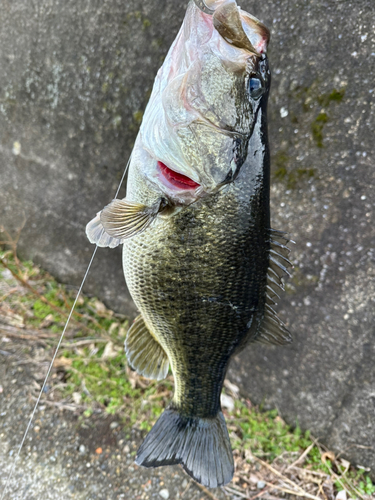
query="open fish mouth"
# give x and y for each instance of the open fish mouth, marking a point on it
(174, 179)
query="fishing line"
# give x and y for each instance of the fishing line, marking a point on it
(56, 351)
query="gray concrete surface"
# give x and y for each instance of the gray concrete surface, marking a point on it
(75, 78)
(326, 379)
(59, 459)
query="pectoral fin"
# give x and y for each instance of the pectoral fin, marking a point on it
(273, 330)
(96, 234)
(123, 219)
(144, 353)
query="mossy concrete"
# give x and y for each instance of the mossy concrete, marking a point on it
(75, 80)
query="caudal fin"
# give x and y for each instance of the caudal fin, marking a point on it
(200, 445)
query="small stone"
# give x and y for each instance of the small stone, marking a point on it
(184, 483)
(253, 479)
(16, 150)
(126, 448)
(260, 485)
(341, 495)
(227, 402)
(88, 465)
(82, 449)
(77, 397)
(164, 493)
(113, 425)
(36, 428)
(284, 112)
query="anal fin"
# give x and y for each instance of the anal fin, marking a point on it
(144, 353)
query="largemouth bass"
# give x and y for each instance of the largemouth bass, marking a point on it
(199, 257)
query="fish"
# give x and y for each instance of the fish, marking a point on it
(200, 259)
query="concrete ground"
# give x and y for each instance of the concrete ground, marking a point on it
(69, 457)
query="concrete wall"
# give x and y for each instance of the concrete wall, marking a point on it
(75, 78)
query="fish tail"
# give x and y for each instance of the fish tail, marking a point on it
(200, 445)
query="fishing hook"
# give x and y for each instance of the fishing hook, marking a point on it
(201, 4)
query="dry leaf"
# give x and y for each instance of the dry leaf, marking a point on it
(232, 387)
(99, 307)
(62, 362)
(109, 351)
(327, 455)
(48, 320)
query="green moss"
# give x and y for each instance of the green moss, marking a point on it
(138, 115)
(138, 16)
(280, 173)
(311, 98)
(146, 23)
(157, 43)
(334, 96)
(280, 160)
(317, 128)
(290, 177)
(137, 120)
(300, 279)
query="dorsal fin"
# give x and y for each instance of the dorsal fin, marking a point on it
(273, 330)
(227, 22)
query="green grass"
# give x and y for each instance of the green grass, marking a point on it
(265, 433)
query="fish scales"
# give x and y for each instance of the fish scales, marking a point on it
(200, 259)
(198, 282)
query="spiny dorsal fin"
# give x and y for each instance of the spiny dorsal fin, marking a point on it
(96, 234)
(144, 353)
(273, 330)
(123, 219)
(279, 262)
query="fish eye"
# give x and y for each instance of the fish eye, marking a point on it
(255, 87)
